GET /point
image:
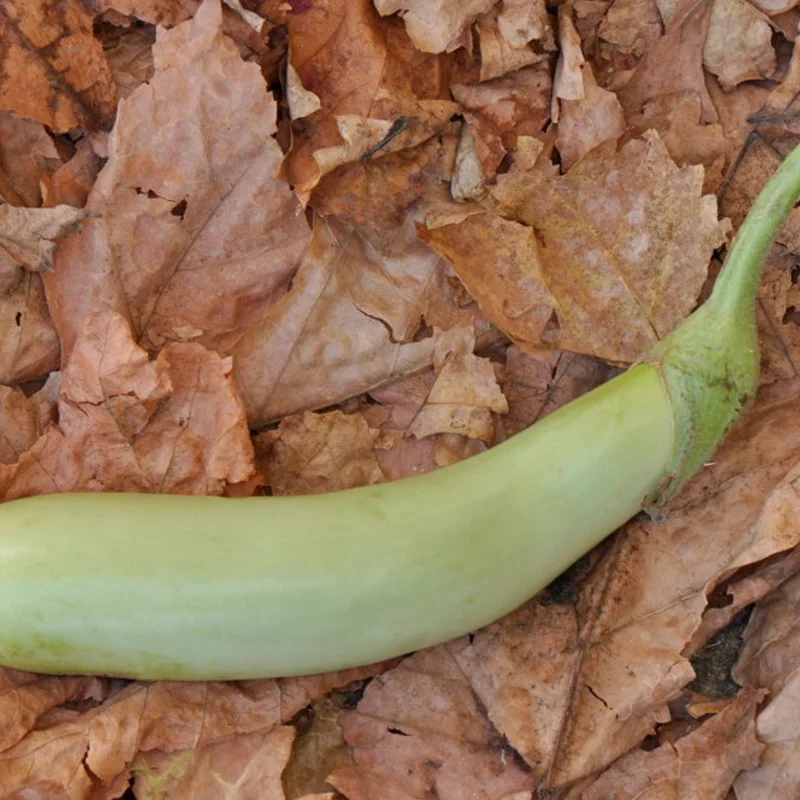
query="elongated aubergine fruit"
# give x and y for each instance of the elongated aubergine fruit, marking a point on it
(158, 586)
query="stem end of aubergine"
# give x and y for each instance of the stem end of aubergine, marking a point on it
(710, 363)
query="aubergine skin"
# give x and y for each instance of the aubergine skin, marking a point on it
(199, 588)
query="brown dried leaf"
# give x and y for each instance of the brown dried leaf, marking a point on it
(498, 55)
(465, 392)
(739, 43)
(702, 764)
(436, 26)
(188, 195)
(129, 52)
(29, 346)
(174, 425)
(568, 80)
(523, 21)
(246, 767)
(316, 453)
(71, 183)
(632, 26)
(419, 731)
(167, 13)
(53, 68)
(317, 347)
(27, 156)
(770, 658)
(377, 93)
(19, 424)
(605, 261)
(588, 122)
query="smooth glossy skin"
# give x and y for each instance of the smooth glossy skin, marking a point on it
(157, 586)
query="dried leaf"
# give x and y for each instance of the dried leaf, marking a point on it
(201, 204)
(246, 767)
(129, 52)
(71, 183)
(582, 271)
(53, 68)
(498, 55)
(19, 424)
(568, 81)
(632, 26)
(523, 21)
(739, 43)
(684, 770)
(419, 731)
(317, 347)
(439, 26)
(316, 453)
(27, 156)
(769, 658)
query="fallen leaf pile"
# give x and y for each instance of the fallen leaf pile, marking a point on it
(291, 247)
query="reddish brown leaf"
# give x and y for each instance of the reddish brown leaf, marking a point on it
(27, 156)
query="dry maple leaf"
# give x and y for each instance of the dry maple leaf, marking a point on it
(605, 260)
(53, 68)
(188, 199)
(770, 659)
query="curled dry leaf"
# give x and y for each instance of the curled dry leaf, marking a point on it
(702, 764)
(378, 94)
(568, 81)
(465, 393)
(173, 425)
(53, 68)
(436, 26)
(317, 347)
(315, 453)
(419, 731)
(739, 43)
(27, 156)
(188, 198)
(770, 659)
(605, 260)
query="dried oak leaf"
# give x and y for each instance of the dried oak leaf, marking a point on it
(465, 393)
(419, 731)
(246, 767)
(739, 43)
(605, 260)
(316, 453)
(327, 340)
(189, 200)
(173, 425)
(377, 94)
(27, 156)
(615, 658)
(436, 26)
(702, 764)
(770, 658)
(53, 68)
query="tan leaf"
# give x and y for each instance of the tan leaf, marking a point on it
(246, 767)
(586, 123)
(316, 453)
(437, 26)
(167, 13)
(702, 764)
(568, 81)
(189, 195)
(174, 425)
(523, 21)
(27, 155)
(317, 347)
(770, 658)
(498, 55)
(465, 392)
(19, 424)
(71, 183)
(739, 43)
(378, 94)
(29, 346)
(632, 26)
(419, 731)
(53, 68)
(609, 277)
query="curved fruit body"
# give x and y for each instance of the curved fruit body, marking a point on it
(160, 586)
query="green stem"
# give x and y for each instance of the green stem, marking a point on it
(710, 363)
(736, 287)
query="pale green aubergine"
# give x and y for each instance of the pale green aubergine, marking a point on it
(174, 587)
